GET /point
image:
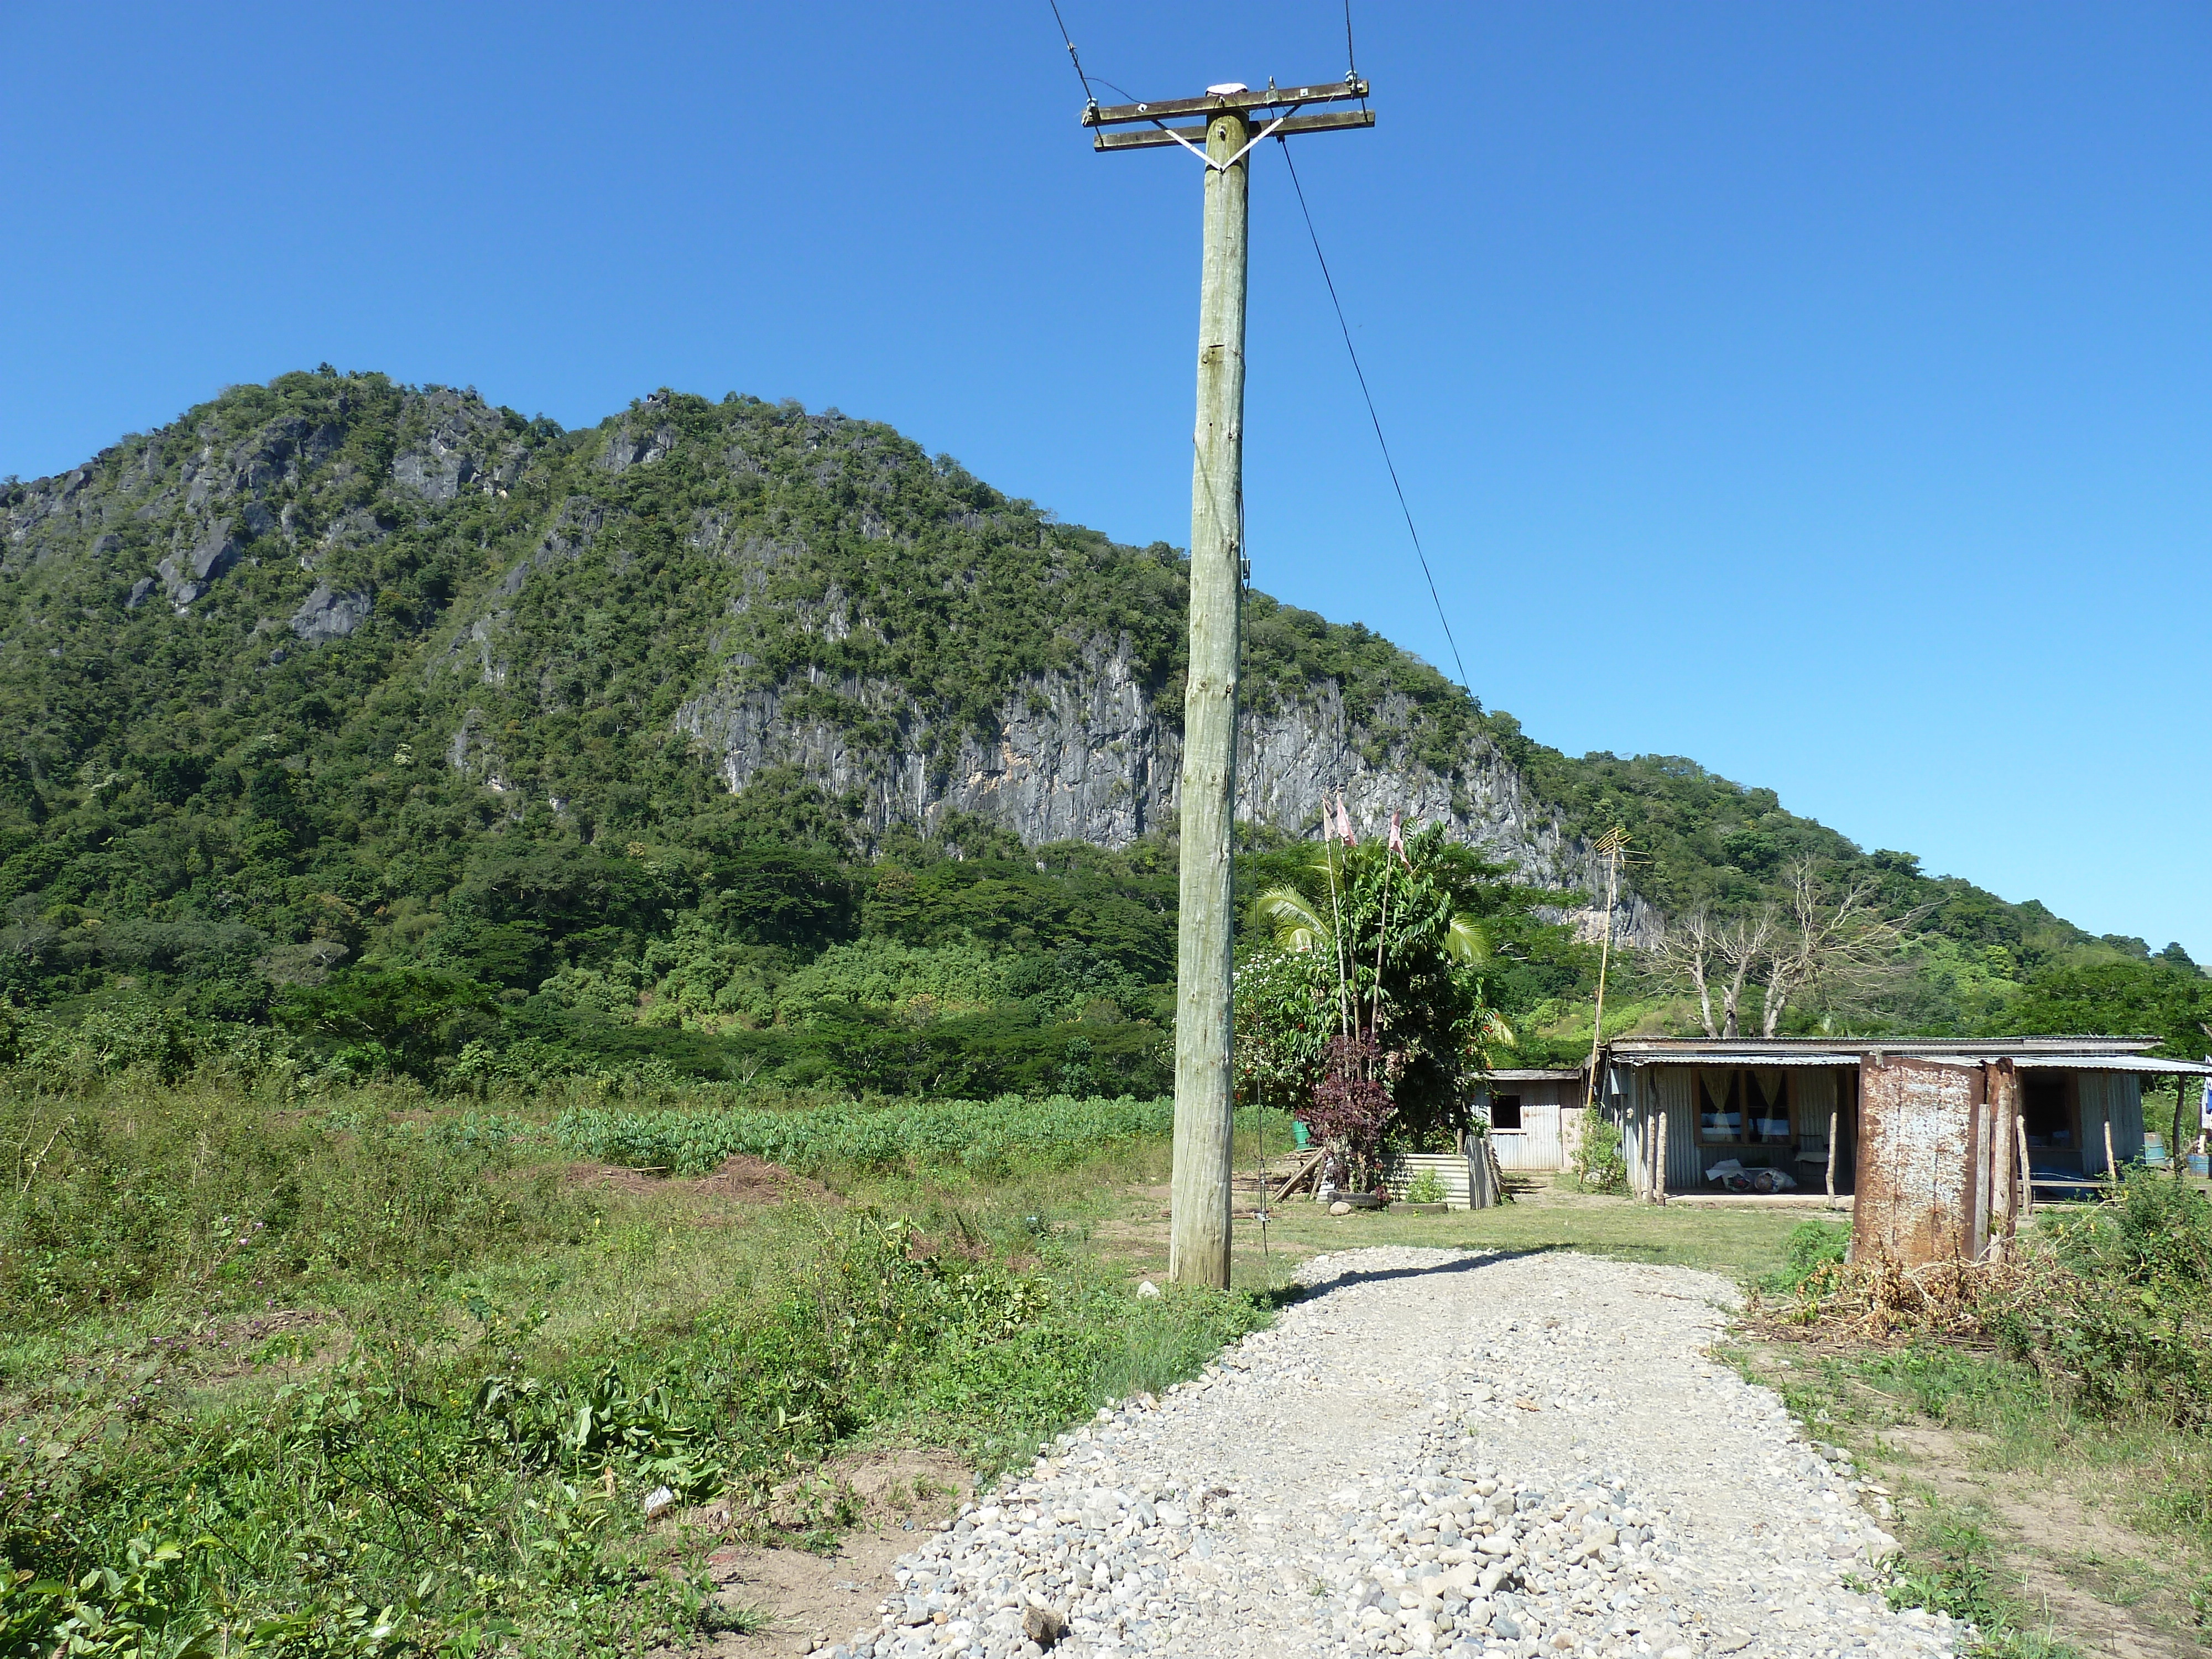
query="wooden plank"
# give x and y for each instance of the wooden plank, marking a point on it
(1299, 1177)
(1257, 98)
(1328, 121)
(1149, 138)
(1155, 138)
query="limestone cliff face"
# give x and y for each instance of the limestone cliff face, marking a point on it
(1085, 756)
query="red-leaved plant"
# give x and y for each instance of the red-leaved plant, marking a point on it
(1351, 1104)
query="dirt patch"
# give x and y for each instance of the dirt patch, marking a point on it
(2066, 1558)
(2100, 1586)
(738, 1180)
(807, 1597)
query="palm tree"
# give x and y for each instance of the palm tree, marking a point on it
(1402, 932)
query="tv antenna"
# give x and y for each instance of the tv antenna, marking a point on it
(1614, 848)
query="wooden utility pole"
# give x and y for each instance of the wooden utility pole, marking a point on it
(1235, 119)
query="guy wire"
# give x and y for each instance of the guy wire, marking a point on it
(1351, 351)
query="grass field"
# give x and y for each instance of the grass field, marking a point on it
(352, 1375)
(360, 1374)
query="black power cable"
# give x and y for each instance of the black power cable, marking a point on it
(1071, 57)
(1352, 352)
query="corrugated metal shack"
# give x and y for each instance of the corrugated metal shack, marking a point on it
(1928, 1134)
(1534, 1117)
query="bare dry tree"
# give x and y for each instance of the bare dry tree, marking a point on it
(1689, 949)
(1746, 945)
(1830, 940)
(1816, 940)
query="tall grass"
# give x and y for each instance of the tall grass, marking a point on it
(348, 1377)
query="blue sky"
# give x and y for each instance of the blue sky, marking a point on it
(1820, 392)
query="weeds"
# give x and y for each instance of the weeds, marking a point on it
(1951, 1570)
(353, 1381)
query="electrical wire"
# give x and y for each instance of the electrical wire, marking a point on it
(1350, 65)
(1376, 420)
(1088, 97)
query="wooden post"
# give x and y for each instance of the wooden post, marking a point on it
(2006, 1142)
(1659, 1162)
(2026, 1170)
(1832, 1157)
(1199, 1233)
(2111, 1164)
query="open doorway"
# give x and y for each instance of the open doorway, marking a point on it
(2048, 1116)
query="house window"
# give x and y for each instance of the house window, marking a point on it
(1720, 1106)
(1505, 1111)
(1767, 1099)
(2042, 1110)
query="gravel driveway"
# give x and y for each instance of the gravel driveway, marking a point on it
(1434, 1451)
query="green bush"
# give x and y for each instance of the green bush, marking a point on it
(1811, 1247)
(1600, 1165)
(1425, 1188)
(2118, 1314)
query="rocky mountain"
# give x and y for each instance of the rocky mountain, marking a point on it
(322, 667)
(728, 587)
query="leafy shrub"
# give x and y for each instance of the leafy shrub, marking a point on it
(1425, 1188)
(2118, 1314)
(1600, 1163)
(1812, 1249)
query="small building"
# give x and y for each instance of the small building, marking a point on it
(1534, 1117)
(1928, 1136)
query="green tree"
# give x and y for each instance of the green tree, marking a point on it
(406, 1018)
(2118, 999)
(1398, 946)
(1286, 1016)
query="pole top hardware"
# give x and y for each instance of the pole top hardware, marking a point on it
(1227, 96)
(1274, 110)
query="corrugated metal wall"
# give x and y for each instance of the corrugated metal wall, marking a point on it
(1921, 1175)
(1629, 1114)
(1678, 1098)
(1536, 1144)
(1450, 1168)
(1816, 1100)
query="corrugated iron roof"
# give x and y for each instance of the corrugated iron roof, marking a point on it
(1770, 1050)
(1744, 1057)
(2065, 1054)
(2112, 1063)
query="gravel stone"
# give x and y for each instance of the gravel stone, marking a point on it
(1477, 1455)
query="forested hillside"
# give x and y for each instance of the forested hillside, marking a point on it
(737, 740)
